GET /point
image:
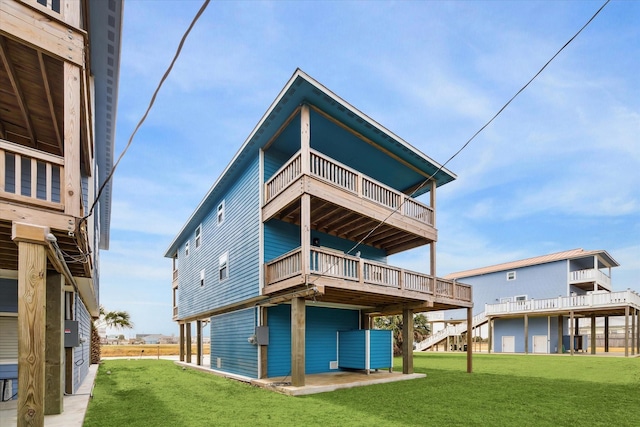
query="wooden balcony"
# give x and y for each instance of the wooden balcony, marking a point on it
(348, 204)
(351, 280)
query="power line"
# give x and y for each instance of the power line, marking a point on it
(481, 129)
(153, 100)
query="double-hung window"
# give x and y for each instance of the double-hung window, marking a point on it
(223, 266)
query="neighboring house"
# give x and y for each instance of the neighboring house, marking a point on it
(271, 254)
(535, 305)
(59, 66)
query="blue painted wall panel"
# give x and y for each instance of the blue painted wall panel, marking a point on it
(238, 236)
(380, 352)
(321, 338)
(281, 237)
(9, 295)
(351, 352)
(9, 371)
(229, 334)
(515, 327)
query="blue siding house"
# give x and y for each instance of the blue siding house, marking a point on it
(289, 247)
(536, 305)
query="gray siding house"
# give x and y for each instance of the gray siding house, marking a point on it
(536, 305)
(289, 247)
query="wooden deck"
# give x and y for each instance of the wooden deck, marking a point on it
(342, 278)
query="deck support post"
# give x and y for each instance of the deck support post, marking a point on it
(263, 349)
(593, 334)
(54, 346)
(181, 339)
(560, 332)
(633, 332)
(490, 331)
(571, 332)
(637, 331)
(526, 334)
(469, 344)
(626, 331)
(298, 326)
(188, 341)
(32, 305)
(606, 334)
(407, 341)
(199, 342)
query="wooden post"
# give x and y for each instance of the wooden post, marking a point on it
(72, 188)
(32, 275)
(606, 334)
(365, 321)
(188, 341)
(633, 332)
(305, 234)
(560, 333)
(526, 334)
(199, 342)
(432, 259)
(298, 326)
(54, 346)
(181, 339)
(263, 349)
(490, 331)
(571, 332)
(407, 341)
(638, 331)
(593, 334)
(626, 331)
(469, 349)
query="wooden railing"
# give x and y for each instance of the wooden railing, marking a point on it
(450, 331)
(346, 267)
(347, 179)
(591, 299)
(31, 176)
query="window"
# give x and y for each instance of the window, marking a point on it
(520, 297)
(511, 275)
(221, 213)
(186, 249)
(9, 339)
(201, 278)
(198, 236)
(223, 267)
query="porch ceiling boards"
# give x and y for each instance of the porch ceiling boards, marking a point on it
(68, 245)
(31, 97)
(339, 221)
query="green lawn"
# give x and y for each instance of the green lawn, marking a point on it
(504, 390)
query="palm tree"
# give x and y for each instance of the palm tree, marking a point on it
(421, 329)
(114, 319)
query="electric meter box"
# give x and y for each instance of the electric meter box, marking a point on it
(71, 336)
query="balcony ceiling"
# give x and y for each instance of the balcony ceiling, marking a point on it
(335, 220)
(27, 115)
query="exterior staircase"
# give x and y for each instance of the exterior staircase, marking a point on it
(450, 331)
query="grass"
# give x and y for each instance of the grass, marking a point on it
(506, 390)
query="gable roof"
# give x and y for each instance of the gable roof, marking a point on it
(543, 259)
(300, 89)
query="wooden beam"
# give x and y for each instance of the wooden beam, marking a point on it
(188, 341)
(24, 21)
(181, 340)
(626, 331)
(298, 326)
(526, 333)
(32, 273)
(54, 345)
(52, 110)
(606, 334)
(73, 189)
(593, 334)
(198, 342)
(15, 84)
(263, 350)
(560, 332)
(407, 341)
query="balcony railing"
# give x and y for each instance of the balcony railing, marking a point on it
(31, 176)
(347, 267)
(349, 180)
(590, 275)
(591, 299)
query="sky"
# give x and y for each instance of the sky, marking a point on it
(559, 169)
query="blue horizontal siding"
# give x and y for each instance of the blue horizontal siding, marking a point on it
(82, 353)
(9, 372)
(352, 350)
(238, 236)
(9, 295)
(380, 349)
(322, 325)
(229, 343)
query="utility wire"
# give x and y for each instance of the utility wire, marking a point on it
(480, 130)
(153, 100)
